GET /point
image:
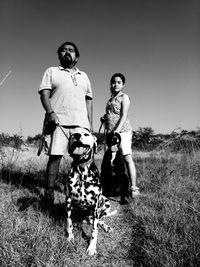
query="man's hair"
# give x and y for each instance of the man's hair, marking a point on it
(69, 43)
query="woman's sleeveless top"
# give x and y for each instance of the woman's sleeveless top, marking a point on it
(113, 114)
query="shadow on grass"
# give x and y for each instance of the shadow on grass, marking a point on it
(136, 252)
(19, 178)
(138, 236)
(25, 202)
(35, 183)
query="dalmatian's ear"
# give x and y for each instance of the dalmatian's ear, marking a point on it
(95, 144)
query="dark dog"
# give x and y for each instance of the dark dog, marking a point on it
(83, 186)
(114, 179)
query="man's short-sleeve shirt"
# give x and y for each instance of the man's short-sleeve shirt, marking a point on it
(68, 94)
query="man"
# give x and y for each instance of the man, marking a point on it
(66, 96)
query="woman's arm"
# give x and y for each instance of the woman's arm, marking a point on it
(124, 112)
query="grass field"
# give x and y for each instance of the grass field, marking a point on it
(159, 228)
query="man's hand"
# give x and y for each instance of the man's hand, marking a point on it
(52, 118)
(51, 122)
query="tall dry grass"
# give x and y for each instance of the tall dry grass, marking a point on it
(159, 228)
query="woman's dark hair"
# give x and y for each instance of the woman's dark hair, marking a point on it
(68, 43)
(120, 75)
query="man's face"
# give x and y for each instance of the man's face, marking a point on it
(67, 56)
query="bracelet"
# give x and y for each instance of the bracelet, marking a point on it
(48, 114)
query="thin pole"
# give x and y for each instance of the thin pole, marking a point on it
(5, 77)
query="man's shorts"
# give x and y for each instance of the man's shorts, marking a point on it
(56, 143)
(126, 141)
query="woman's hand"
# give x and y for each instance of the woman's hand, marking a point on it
(103, 119)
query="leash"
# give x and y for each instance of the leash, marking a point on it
(100, 128)
(60, 126)
(42, 139)
(104, 134)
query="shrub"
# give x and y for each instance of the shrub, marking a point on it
(14, 141)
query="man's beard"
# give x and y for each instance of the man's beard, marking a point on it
(66, 61)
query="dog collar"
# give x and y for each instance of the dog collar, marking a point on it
(82, 164)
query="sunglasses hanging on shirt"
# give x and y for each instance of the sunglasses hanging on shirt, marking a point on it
(74, 79)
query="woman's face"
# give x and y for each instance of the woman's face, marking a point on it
(117, 84)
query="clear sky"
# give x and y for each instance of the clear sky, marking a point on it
(154, 43)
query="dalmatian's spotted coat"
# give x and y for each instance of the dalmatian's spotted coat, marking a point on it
(83, 186)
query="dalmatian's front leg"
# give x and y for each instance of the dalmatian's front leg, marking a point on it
(69, 225)
(91, 250)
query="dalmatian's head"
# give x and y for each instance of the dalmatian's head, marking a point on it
(82, 144)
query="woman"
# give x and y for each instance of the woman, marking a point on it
(116, 120)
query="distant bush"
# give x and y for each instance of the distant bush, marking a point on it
(182, 142)
(33, 140)
(14, 141)
(144, 139)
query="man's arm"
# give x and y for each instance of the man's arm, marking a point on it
(45, 99)
(89, 105)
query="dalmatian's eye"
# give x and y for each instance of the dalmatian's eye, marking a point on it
(86, 134)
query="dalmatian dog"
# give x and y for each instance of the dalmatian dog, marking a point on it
(114, 178)
(84, 191)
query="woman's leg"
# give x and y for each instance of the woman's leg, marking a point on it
(130, 165)
(126, 140)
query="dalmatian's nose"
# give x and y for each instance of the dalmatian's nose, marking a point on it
(77, 136)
